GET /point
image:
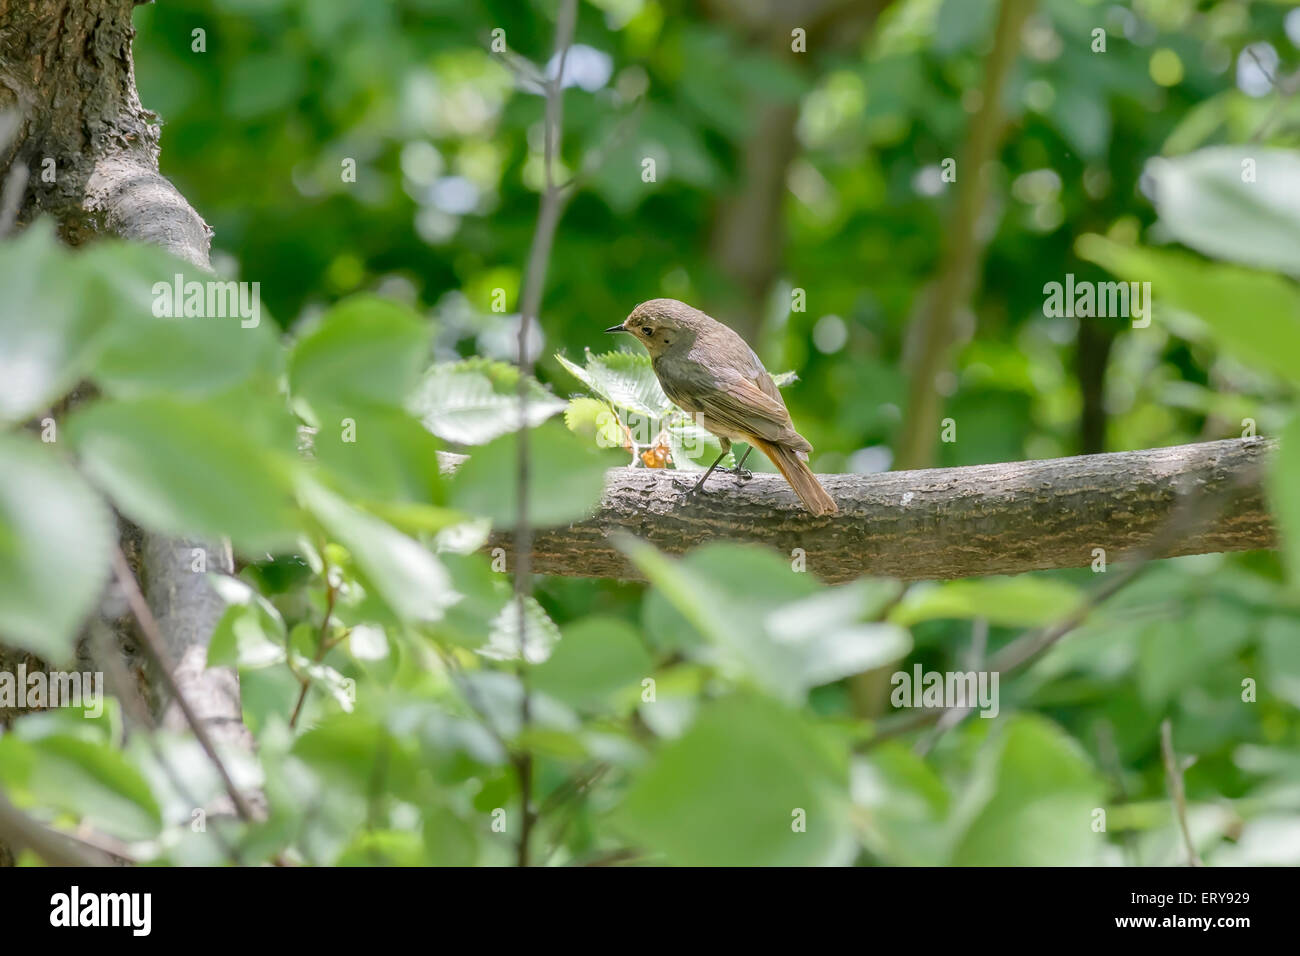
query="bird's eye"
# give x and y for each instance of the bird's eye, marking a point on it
(647, 331)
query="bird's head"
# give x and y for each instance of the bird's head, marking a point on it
(662, 323)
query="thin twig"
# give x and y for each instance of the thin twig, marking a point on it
(1110, 760)
(322, 646)
(156, 647)
(974, 663)
(1174, 775)
(1279, 100)
(136, 709)
(539, 254)
(54, 847)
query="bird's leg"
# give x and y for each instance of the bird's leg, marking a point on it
(726, 447)
(740, 471)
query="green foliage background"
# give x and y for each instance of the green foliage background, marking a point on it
(360, 570)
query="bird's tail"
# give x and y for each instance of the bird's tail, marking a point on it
(800, 476)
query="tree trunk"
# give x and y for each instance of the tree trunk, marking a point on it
(88, 152)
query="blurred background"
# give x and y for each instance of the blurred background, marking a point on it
(776, 170)
(815, 176)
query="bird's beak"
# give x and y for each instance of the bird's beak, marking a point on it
(616, 328)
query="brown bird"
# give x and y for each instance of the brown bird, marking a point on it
(706, 368)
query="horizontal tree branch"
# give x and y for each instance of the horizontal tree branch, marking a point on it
(935, 523)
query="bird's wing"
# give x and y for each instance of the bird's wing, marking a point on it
(742, 406)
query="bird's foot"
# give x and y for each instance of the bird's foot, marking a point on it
(690, 487)
(742, 474)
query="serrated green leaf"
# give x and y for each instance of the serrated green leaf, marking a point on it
(625, 379)
(594, 418)
(474, 401)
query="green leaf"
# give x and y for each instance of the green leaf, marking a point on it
(1280, 653)
(56, 538)
(96, 783)
(181, 468)
(759, 619)
(366, 350)
(410, 580)
(50, 337)
(153, 345)
(1021, 601)
(448, 840)
(1240, 203)
(1265, 333)
(476, 400)
(1032, 801)
(251, 632)
(378, 453)
(503, 637)
(594, 419)
(565, 479)
(733, 789)
(1284, 492)
(906, 803)
(624, 378)
(596, 657)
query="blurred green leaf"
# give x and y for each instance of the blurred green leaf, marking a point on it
(96, 783)
(409, 578)
(733, 790)
(1284, 494)
(1032, 801)
(595, 657)
(1266, 334)
(1239, 203)
(56, 537)
(566, 476)
(766, 622)
(366, 350)
(153, 345)
(1021, 601)
(181, 468)
(48, 337)
(378, 453)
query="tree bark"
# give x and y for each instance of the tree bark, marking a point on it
(90, 151)
(941, 522)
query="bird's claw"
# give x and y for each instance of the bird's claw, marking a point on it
(741, 474)
(690, 487)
